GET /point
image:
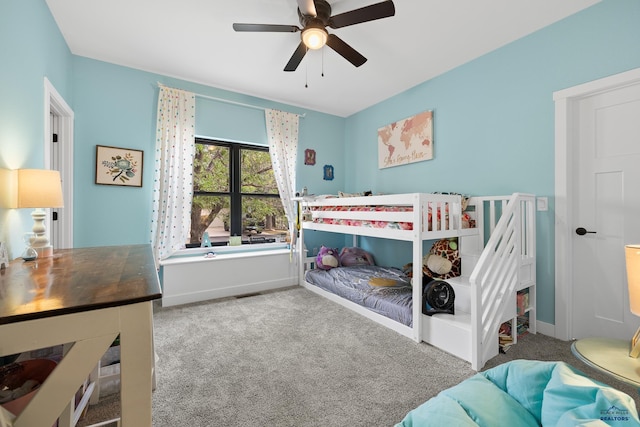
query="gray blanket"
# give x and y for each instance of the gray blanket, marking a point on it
(352, 283)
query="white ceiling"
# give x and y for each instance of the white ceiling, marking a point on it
(193, 40)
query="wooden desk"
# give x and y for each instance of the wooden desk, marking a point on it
(611, 356)
(85, 297)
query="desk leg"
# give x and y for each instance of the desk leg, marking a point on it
(136, 362)
(66, 417)
(6, 417)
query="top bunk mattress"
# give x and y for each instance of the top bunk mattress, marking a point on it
(352, 283)
(438, 213)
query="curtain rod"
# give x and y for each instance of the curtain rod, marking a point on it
(227, 101)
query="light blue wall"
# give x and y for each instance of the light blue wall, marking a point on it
(31, 48)
(116, 106)
(494, 121)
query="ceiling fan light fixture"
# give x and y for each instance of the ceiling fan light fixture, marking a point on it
(315, 17)
(314, 37)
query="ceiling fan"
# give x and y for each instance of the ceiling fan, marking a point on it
(315, 16)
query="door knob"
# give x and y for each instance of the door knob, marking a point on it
(581, 231)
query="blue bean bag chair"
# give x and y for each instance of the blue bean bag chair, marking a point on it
(527, 393)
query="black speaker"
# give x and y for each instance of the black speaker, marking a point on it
(437, 297)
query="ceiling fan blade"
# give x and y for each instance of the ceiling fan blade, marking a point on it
(347, 52)
(271, 28)
(296, 58)
(307, 7)
(380, 10)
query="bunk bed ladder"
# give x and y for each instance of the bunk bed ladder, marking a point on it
(505, 266)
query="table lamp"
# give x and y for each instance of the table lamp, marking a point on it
(39, 189)
(632, 257)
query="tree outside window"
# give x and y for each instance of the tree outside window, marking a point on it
(235, 193)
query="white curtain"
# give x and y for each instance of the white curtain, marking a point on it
(282, 132)
(173, 180)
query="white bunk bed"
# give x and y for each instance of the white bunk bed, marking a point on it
(472, 333)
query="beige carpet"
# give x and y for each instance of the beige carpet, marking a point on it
(292, 358)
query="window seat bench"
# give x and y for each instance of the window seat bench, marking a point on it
(191, 276)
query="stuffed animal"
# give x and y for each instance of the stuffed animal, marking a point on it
(327, 258)
(443, 260)
(355, 256)
(437, 264)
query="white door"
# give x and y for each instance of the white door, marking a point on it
(607, 207)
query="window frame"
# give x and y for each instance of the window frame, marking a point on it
(235, 181)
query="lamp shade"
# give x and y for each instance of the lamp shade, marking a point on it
(39, 188)
(632, 257)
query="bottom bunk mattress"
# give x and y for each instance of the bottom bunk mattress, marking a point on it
(353, 284)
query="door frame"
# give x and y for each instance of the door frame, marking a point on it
(55, 104)
(566, 138)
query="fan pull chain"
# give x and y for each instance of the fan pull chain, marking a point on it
(322, 71)
(306, 75)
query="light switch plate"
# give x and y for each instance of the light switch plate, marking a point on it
(542, 204)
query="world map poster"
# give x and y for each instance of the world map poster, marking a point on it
(406, 141)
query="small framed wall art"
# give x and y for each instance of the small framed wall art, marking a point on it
(309, 157)
(328, 173)
(119, 166)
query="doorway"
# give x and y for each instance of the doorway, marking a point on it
(58, 155)
(594, 190)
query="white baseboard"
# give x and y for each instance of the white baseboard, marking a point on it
(546, 329)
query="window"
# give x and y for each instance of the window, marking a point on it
(235, 194)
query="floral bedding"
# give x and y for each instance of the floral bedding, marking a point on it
(364, 223)
(467, 222)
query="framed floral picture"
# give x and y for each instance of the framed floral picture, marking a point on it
(119, 166)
